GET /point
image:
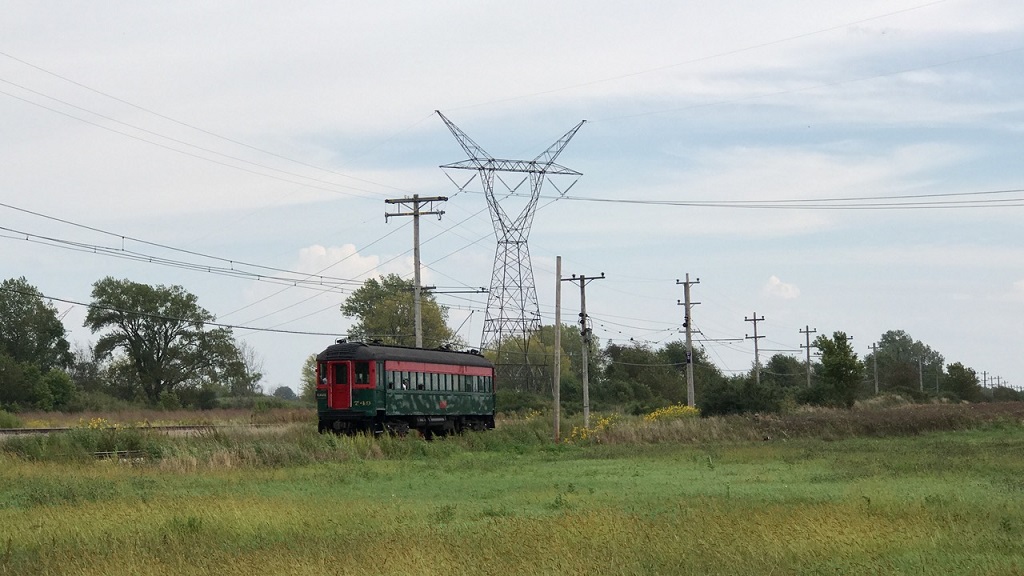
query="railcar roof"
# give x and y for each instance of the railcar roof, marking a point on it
(363, 351)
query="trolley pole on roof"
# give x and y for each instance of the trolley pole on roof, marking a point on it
(415, 201)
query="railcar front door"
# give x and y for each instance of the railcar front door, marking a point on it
(341, 386)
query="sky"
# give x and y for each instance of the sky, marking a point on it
(828, 166)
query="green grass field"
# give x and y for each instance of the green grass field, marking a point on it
(291, 501)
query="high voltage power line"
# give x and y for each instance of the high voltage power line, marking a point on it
(164, 317)
(900, 201)
(176, 121)
(129, 254)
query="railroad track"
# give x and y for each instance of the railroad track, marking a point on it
(184, 428)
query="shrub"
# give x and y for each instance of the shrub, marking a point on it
(8, 420)
(583, 434)
(673, 412)
(740, 396)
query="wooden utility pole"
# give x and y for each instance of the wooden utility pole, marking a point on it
(557, 384)
(416, 213)
(807, 331)
(874, 361)
(755, 337)
(687, 323)
(585, 332)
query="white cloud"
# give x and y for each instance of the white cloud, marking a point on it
(779, 289)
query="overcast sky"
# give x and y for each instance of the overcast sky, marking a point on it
(235, 134)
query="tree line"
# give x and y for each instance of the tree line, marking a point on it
(638, 377)
(155, 347)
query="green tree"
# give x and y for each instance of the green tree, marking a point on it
(841, 373)
(739, 395)
(240, 369)
(642, 375)
(898, 355)
(963, 383)
(30, 331)
(784, 372)
(525, 364)
(706, 376)
(307, 380)
(384, 311)
(1004, 394)
(285, 393)
(161, 331)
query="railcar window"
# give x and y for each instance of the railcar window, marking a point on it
(421, 381)
(321, 371)
(341, 373)
(362, 370)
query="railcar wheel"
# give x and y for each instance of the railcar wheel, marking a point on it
(400, 429)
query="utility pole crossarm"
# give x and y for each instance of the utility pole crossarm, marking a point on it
(415, 201)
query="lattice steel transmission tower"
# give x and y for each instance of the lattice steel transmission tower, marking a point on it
(513, 314)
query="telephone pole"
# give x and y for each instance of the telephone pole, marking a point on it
(585, 332)
(415, 201)
(807, 331)
(557, 384)
(755, 337)
(689, 336)
(874, 360)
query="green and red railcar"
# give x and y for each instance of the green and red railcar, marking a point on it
(377, 388)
